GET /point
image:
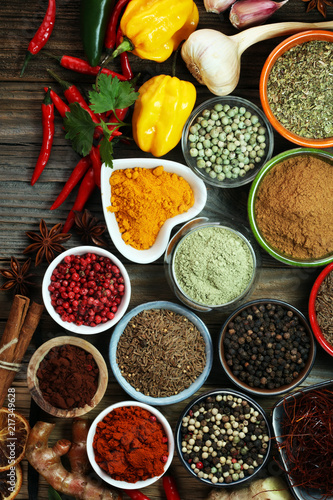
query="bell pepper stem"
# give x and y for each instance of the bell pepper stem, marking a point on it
(125, 46)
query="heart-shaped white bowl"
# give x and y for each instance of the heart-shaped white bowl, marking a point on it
(158, 248)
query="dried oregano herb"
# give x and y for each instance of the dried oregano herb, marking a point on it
(161, 353)
(324, 307)
(300, 89)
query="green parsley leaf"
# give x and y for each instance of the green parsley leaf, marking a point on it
(111, 94)
(106, 152)
(80, 128)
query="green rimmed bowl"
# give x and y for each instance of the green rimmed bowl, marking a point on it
(264, 243)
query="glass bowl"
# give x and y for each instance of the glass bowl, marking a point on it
(210, 405)
(229, 359)
(236, 153)
(312, 310)
(186, 393)
(201, 275)
(72, 326)
(279, 50)
(252, 199)
(124, 484)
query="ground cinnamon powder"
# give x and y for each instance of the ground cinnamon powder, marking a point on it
(294, 207)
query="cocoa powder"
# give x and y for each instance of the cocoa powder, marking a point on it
(294, 207)
(68, 377)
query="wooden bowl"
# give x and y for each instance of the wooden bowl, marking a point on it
(33, 383)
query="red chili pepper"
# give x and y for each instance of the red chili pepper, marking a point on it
(136, 495)
(73, 94)
(86, 188)
(77, 174)
(81, 66)
(111, 30)
(125, 65)
(170, 488)
(42, 34)
(96, 164)
(59, 104)
(48, 134)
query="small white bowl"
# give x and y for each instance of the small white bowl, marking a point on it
(157, 249)
(72, 327)
(102, 473)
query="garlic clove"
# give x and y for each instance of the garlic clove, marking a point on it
(217, 6)
(246, 13)
(213, 59)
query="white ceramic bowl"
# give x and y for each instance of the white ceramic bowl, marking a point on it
(157, 249)
(194, 387)
(72, 327)
(102, 473)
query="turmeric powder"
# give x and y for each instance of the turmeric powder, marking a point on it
(142, 199)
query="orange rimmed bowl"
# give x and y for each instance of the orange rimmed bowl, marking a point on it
(283, 47)
(312, 310)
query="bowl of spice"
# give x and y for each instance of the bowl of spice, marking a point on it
(67, 376)
(130, 445)
(266, 347)
(143, 199)
(223, 438)
(86, 290)
(211, 265)
(161, 353)
(290, 207)
(226, 140)
(321, 308)
(302, 424)
(296, 88)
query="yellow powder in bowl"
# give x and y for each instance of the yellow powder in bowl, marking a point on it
(142, 199)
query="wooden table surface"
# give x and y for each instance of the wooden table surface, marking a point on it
(23, 206)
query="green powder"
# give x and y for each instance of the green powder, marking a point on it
(213, 265)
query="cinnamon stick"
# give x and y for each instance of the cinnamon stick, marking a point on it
(26, 320)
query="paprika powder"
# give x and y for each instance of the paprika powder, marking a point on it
(130, 444)
(68, 377)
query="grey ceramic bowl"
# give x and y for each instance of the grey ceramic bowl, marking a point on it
(195, 386)
(232, 102)
(277, 417)
(201, 400)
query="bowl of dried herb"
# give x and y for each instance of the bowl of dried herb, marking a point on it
(296, 88)
(321, 309)
(161, 353)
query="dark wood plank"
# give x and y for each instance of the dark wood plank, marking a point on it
(22, 206)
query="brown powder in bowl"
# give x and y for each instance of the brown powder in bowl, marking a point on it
(294, 207)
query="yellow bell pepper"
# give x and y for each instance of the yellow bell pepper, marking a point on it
(160, 113)
(153, 29)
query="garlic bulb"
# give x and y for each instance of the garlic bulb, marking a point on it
(217, 6)
(245, 13)
(212, 58)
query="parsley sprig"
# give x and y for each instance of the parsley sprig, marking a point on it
(108, 94)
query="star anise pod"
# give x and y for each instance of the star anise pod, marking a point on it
(17, 277)
(89, 228)
(319, 4)
(48, 243)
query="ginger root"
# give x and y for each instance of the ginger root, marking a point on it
(271, 488)
(47, 462)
